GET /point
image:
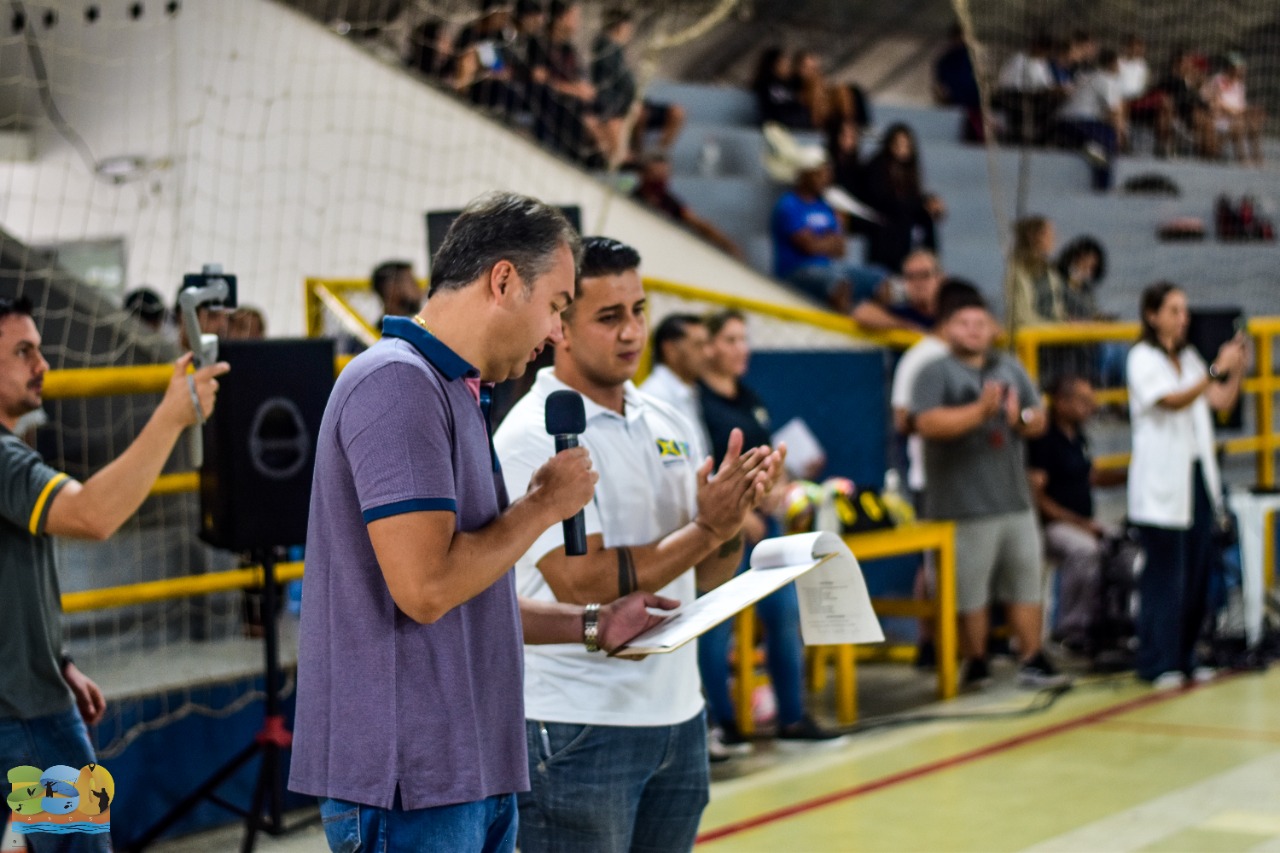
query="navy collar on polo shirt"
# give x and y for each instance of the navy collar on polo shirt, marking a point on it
(448, 362)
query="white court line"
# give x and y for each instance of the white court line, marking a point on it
(1212, 803)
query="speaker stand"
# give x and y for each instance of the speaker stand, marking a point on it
(271, 741)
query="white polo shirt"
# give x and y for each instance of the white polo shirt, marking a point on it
(648, 462)
(922, 352)
(1166, 443)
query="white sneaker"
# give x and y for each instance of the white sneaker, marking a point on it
(718, 750)
(1203, 674)
(1171, 680)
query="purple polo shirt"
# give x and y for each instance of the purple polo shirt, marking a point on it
(384, 702)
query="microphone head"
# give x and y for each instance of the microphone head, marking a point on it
(565, 413)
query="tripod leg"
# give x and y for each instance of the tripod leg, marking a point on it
(254, 820)
(190, 802)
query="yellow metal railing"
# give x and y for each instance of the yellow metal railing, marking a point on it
(1264, 443)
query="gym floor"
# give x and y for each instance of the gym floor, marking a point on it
(1110, 765)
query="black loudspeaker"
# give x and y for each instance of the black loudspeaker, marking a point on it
(260, 443)
(1208, 330)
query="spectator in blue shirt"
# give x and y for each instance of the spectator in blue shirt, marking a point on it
(808, 240)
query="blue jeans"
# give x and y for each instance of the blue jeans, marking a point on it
(822, 280)
(779, 616)
(43, 742)
(613, 789)
(1083, 131)
(487, 825)
(1173, 589)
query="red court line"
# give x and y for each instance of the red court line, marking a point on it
(937, 766)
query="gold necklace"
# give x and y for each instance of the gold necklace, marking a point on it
(418, 319)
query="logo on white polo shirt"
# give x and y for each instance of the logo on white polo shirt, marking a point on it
(671, 451)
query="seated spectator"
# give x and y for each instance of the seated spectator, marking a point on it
(823, 99)
(1093, 118)
(1032, 283)
(809, 244)
(1076, 58)
(1230, 113)
(774, 88)
(1082, 264)
(1062, 477)
(913, 306)
(892, 187)
(654, 191)
(147, 308)
(956, 85)
(847, 169)
(246, 323)
(399, 291)
(1142, 102)
(570, 117)
(1028, 92)
(430, 51)
(479, 68)
(525, 52)
(616, 93)
(1184, 112)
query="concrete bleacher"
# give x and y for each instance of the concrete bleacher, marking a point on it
(737, 195)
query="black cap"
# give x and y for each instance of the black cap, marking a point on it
(565, 413)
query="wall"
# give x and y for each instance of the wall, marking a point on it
(279, 150)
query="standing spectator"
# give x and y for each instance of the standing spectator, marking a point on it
(1175, 489)
(730, 406)
(1231, 114)
(655, 191)
(679, 351)
(1094, 119)
(616, 93)
(1081, 265)
(775, 91)
(617, 749)
(974, 408)
(1062, 476)
(922, 352)
(45, 700)
(809, 244)
(914, 306)
(956, 85)
(397, 288)
(908, 215)
(1032, 285)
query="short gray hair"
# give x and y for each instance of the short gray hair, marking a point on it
(502, 226)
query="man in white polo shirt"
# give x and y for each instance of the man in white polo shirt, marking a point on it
(617, 749)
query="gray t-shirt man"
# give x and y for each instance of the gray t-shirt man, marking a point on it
(31, 683)
(383, 701)
(983, 472)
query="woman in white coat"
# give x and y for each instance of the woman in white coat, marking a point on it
(1175, 489)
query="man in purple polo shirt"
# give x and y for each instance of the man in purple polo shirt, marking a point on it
(410, 721)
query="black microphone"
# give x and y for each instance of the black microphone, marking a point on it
(566, 420)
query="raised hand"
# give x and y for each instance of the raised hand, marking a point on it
(738, 487)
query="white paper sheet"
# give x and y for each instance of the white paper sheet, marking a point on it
(804, 452)
(831, 611)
